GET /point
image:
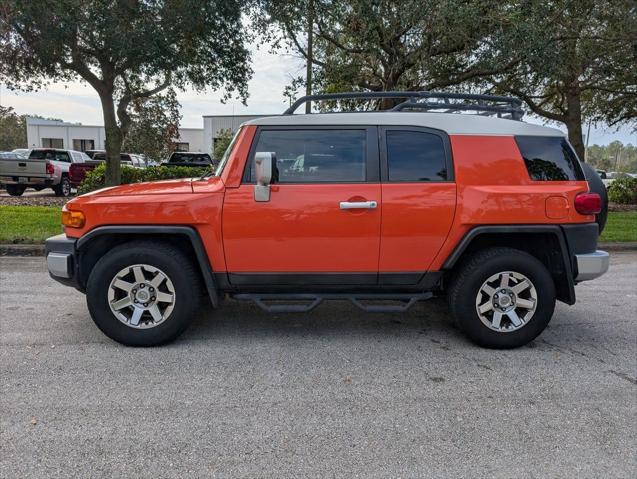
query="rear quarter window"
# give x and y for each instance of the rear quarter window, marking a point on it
(549, 158)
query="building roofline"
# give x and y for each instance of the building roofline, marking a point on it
(44, 122)
(240, 116)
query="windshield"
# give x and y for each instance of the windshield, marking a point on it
(226, 155)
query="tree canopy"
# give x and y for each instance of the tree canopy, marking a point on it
(380, 45)
(569, 60)
(13, 129)
(126, 50)
(154, 126)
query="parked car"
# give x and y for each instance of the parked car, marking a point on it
(78, 171)
(495, 214)
(188, 158)
(44, 168)
(22, 152)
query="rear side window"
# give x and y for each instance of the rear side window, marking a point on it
(549, 158)
(42, 155)
(316, 156)
(415, 156)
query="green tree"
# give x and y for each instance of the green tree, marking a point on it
(380, 45)
(126, 50)
(154, 126)
(221, 143)
(13, 129)
(614, 157)
(569, 60)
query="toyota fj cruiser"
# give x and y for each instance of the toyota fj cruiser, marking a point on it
(383, 208)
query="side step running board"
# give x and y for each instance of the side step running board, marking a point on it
(310, 301)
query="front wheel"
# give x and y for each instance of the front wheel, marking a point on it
(502, 298)
(143, 293)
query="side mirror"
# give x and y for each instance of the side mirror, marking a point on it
(263, 167)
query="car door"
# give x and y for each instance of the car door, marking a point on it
(419, 201)
(321, 224)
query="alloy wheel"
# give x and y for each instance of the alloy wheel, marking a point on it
(141, 296)
(506, 301)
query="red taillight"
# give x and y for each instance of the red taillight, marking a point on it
(50, 169)
(588, 203)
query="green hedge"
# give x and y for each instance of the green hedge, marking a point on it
(94, 179)
(623, 190)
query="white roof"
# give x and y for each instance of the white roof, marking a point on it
(451, 123)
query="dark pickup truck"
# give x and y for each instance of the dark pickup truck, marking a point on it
(187, 158)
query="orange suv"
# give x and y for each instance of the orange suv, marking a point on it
(384, 208)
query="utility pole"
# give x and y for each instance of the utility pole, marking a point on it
(308, 72)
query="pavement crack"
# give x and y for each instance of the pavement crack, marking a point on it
(626, 377)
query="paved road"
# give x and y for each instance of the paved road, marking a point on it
(332, 393)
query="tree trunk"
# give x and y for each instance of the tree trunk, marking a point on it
(574, 122)
(113, 141)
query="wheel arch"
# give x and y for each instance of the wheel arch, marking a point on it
(92, 245)
(545, 242)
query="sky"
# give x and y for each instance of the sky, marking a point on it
(77, 102)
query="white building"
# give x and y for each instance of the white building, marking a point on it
(59, 134)
(214, 125)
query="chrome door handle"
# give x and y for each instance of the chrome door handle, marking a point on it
(355, 205)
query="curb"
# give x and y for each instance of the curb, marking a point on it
(38, 249)
(617, 246)
(21, 249)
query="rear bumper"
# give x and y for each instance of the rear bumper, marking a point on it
(591, 265)
(587, 261)
(27, 180)
(61, 260)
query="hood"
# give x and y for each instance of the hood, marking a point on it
(150, 188)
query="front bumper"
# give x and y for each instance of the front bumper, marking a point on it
(591, 265)
(61, 260)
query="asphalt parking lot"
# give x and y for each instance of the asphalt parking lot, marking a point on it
(332, 393)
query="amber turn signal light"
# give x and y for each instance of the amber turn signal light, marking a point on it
(73, 219)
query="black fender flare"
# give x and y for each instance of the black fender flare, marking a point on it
(154, 230)
(554, 230)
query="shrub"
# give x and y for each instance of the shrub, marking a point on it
(94, 180)
(623, 190)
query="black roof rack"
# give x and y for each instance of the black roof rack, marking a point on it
(501, 106)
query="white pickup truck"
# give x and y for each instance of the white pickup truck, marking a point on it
(44, 168)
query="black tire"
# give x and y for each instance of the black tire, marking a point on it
(596, 185)
(177, 267)
(466, 285)
(63, 188)
(16, 190)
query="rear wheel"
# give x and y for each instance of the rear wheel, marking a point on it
(502, 298)
(16, 190)
(63, 188)
(143, 293)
